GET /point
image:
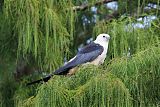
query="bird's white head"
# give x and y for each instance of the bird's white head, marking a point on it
(102, 38)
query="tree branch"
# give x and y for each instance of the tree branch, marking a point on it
(86, 6)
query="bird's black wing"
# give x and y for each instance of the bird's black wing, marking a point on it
(86, 54)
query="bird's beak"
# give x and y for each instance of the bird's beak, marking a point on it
(108, 37)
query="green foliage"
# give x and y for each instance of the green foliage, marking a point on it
(41, 29)
(41, 32)
(7, 85)
(21, 94)
(93, 89)
(125, 38)
(125, 81)
(140, 74)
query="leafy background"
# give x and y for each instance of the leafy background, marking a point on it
(38, 36)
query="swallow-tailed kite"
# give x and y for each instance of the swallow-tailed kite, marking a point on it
(94, 53)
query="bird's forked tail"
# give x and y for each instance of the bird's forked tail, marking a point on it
(38, 81)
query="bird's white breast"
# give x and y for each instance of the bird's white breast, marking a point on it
(100, 59)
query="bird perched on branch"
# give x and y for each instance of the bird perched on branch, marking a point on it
(94, 53)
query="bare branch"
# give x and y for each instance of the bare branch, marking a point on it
(85, 6)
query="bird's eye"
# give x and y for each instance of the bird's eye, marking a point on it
(104, 36)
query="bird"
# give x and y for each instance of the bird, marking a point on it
(93, 53)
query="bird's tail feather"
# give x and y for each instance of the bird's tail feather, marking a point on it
(38, 81)
(61, 71)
